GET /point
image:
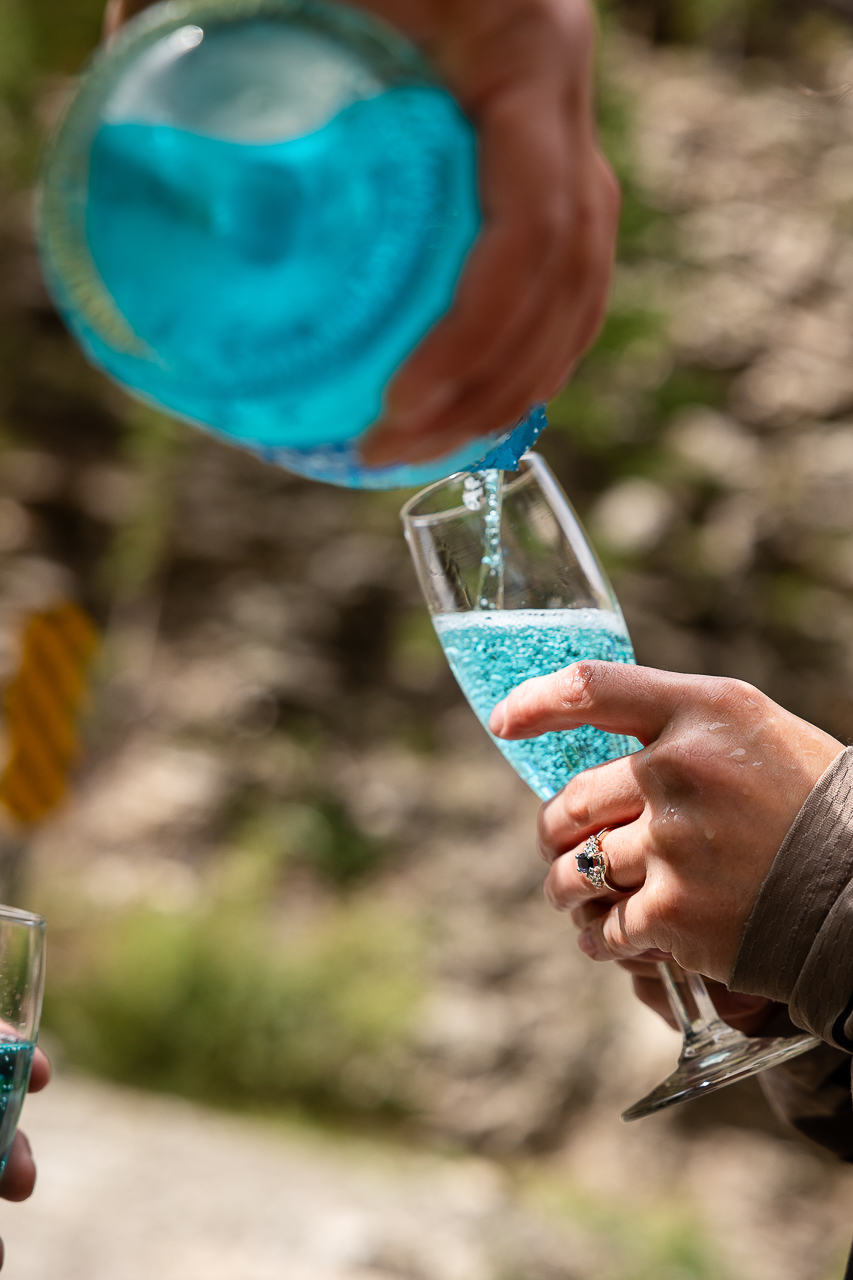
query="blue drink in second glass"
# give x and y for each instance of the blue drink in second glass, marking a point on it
(22, 955)
(16, 1060)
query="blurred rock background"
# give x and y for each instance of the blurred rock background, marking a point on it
(294, 879)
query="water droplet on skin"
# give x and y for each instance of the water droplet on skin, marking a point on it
(738, 751)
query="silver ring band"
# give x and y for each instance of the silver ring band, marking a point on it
(593, 865)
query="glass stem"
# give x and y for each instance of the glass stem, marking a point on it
(703, 1002)
(676, 1003)
(708, 1028)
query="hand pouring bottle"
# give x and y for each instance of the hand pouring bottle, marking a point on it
(250, 214)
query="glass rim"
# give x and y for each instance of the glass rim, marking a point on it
(407, 511)
(16, 915)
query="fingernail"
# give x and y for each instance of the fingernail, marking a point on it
(497, 718)
(586, 942)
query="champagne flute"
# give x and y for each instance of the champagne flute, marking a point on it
(22, 952)
(515, 590)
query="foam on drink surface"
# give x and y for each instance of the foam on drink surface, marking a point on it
(493, 651)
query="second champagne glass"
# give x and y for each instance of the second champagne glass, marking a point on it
(22, 954)
(515, 590)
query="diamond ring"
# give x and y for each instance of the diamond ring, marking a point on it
(593, 864)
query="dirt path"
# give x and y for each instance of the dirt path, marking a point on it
(142, 1187)
(134, 1187)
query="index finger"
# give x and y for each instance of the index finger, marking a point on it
(614, 696)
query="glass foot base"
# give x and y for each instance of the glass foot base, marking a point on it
(720, 1063)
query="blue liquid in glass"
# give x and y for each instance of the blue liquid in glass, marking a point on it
(492, 651)
(276, 286)
(16, 1060)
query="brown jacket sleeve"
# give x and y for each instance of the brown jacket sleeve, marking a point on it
(812, 1092)
(798, 949)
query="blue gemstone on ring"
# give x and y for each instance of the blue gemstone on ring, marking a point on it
(583, 862)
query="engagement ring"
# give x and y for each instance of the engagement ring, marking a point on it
(593, 864)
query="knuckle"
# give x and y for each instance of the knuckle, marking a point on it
(616, 937)
(666, 761)
(546, 844)
(610, 184)
(671, 833)
(561, 887)
(553, 896)
(578, 684)
(546, 836)
(547, 225)
(587, 220)
(570, 811)
(679, 762)
(577, 815)
(573, 19)
(726, 692)
(670, 903)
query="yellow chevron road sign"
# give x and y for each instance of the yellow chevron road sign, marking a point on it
(42, 704)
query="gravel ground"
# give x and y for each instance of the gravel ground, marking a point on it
(134, 1186)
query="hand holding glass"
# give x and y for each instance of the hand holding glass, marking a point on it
(515, 590)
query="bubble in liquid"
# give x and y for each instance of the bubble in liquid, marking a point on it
(472, 491)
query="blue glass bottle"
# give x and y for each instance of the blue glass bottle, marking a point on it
(252, 211)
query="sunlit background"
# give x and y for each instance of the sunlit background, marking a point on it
(311, 1015)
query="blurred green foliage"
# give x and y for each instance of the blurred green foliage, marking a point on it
(738, 28)
(318, 834)
(235, 998)
(214, 1003)
(613, 410)
(60, 36)
(663, 1240)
